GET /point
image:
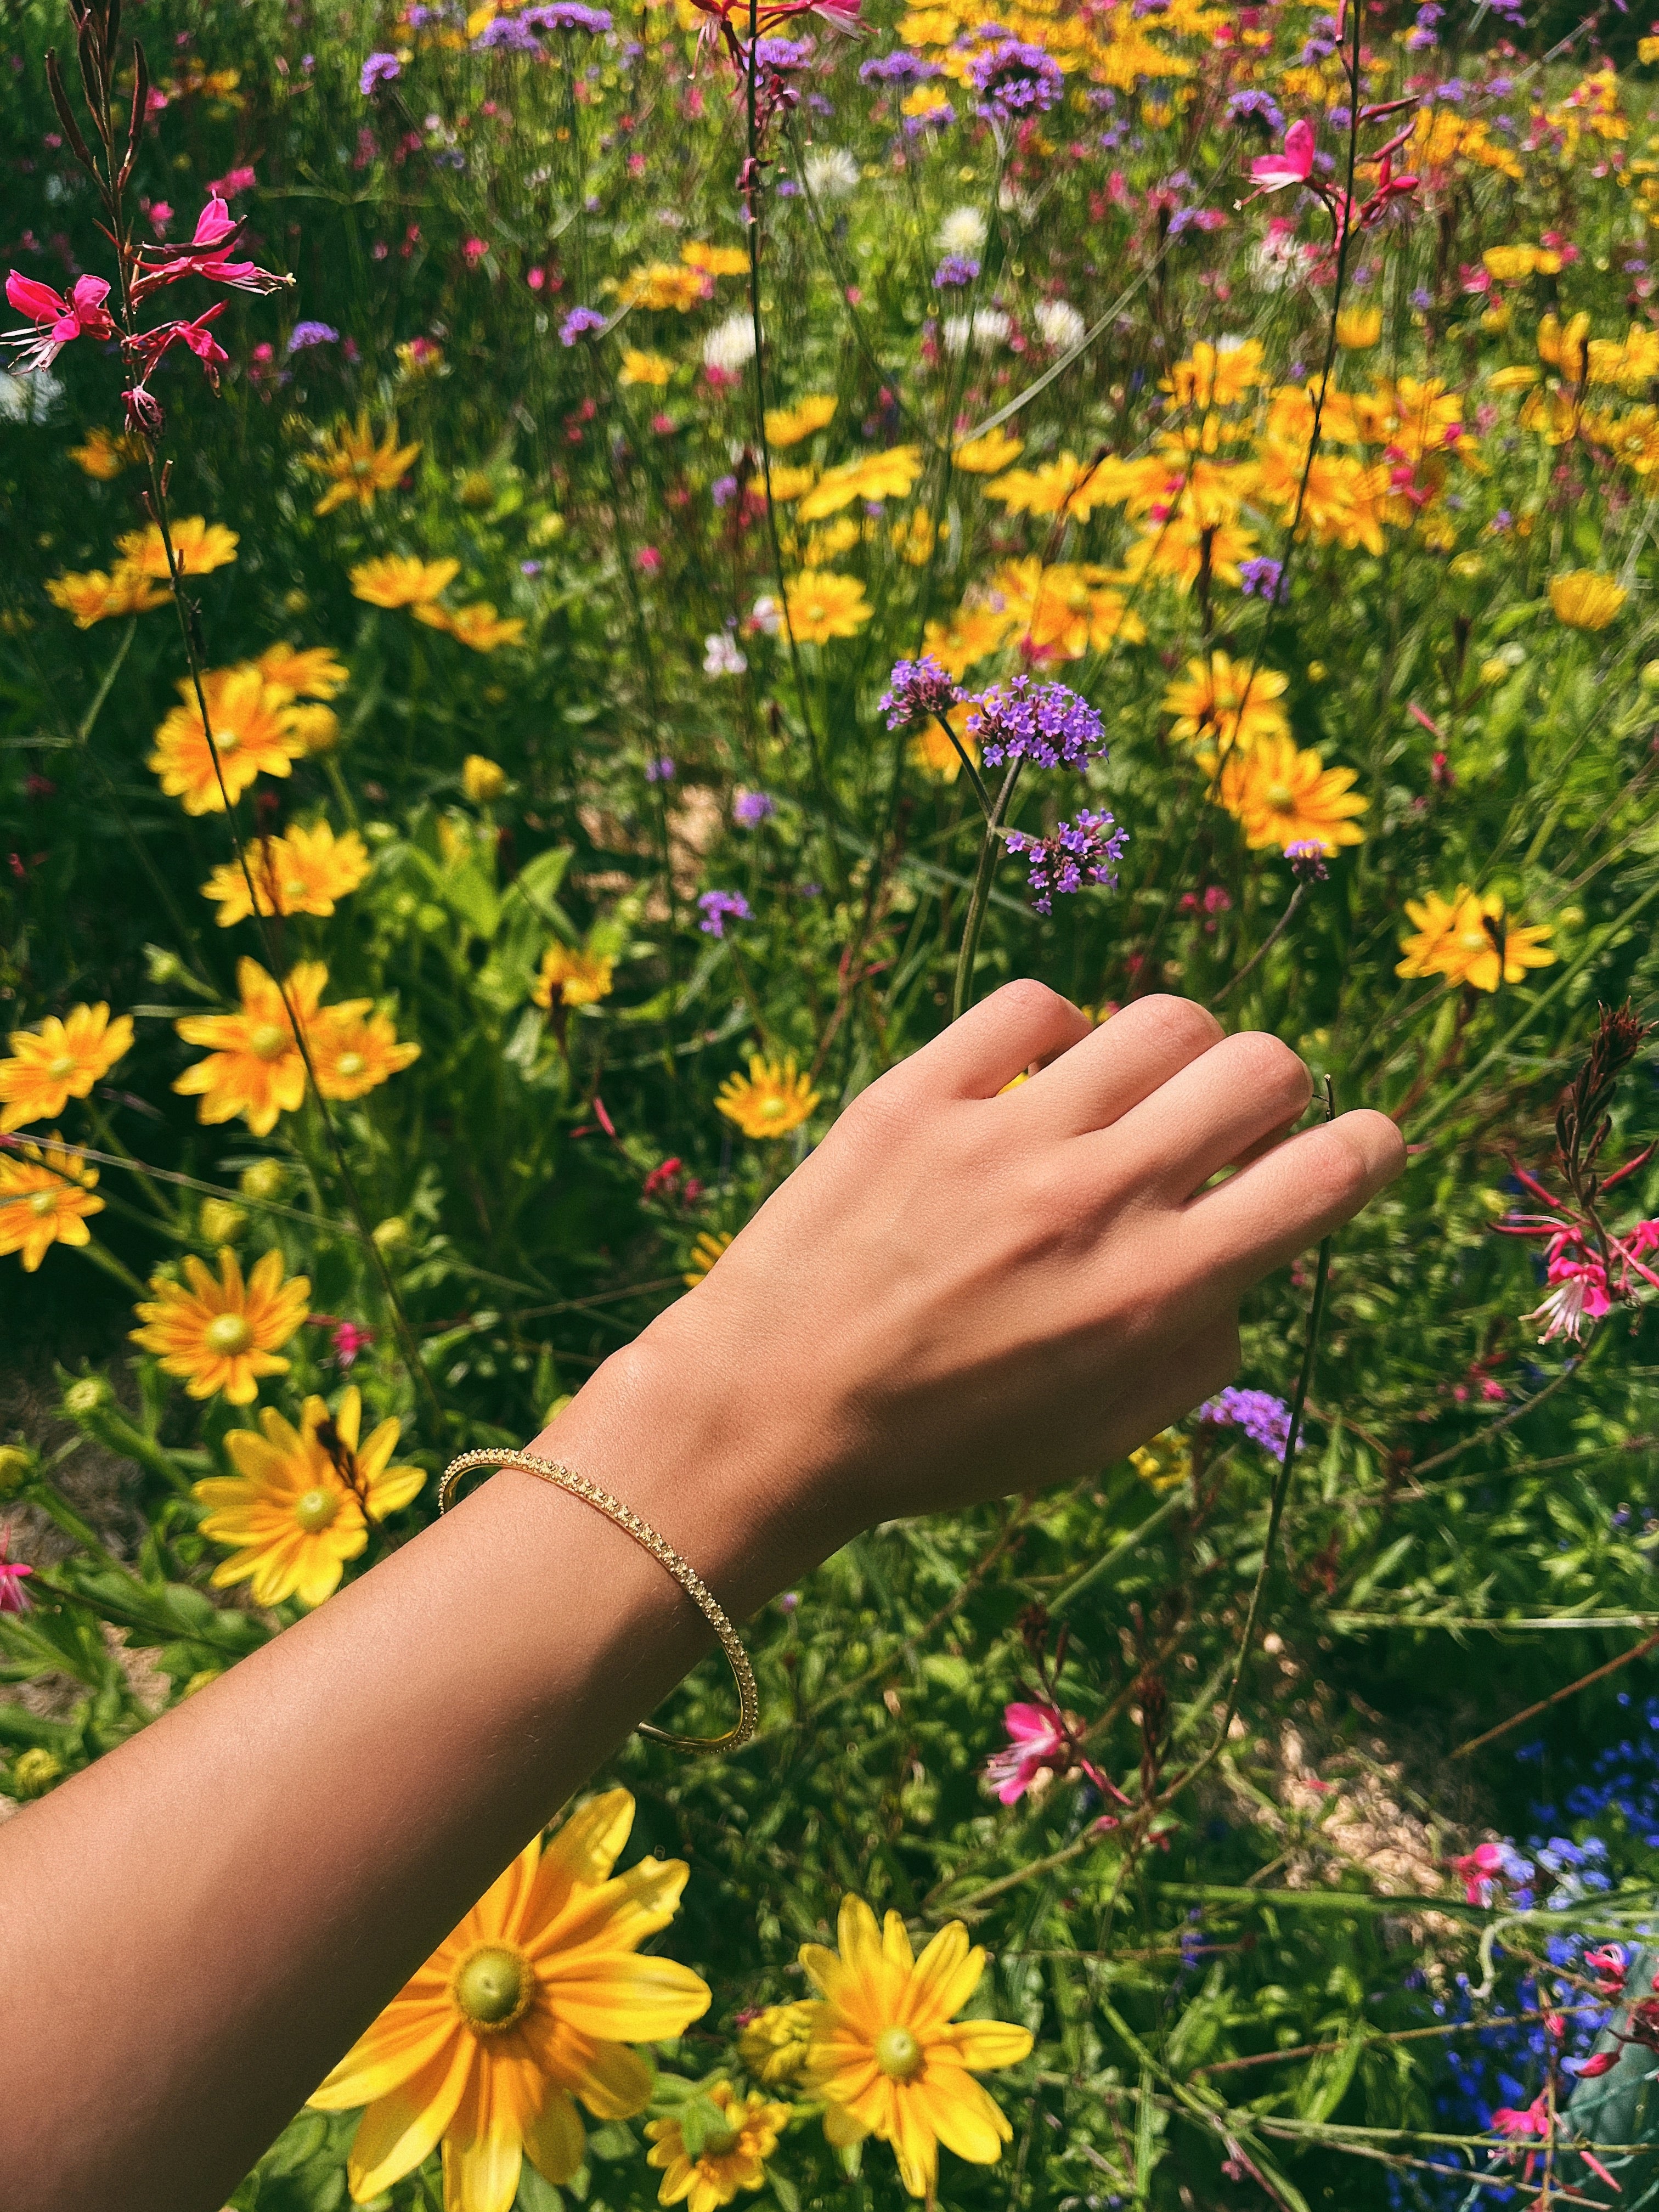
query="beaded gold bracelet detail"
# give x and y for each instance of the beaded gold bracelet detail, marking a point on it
(564, 1477)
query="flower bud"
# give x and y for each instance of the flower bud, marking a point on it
(1648, 678)
(483, 780)
(85, 1400)
(1590, 2069)
(264, 1180)
(221, 1222)
(17, 1464)
(34, 1771)
(391, 1232)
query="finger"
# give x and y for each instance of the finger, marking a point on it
(1118, 1064)
(1309, 1185)
(1210, 1113)
(998, 1039)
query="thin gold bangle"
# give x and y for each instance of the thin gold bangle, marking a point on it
(564, 1477)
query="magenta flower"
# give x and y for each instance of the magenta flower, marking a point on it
(14, 1598)
(208, 254)
(57, 321)
(1039, 1745)
(1577, 1297)
(1272, 173)
(1517, 2124)
(349, 1338)
(1478, 1871)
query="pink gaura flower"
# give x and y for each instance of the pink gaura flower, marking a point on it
(14, 1598)
(349, 1338)
(57, 321)
(1478, 1870)
(232, 181)
(1607, 1964)
(1578, 1296)
(149, 346)
(208, 255)
(1517, 2124)
(1043, 1745)
(1272, 173)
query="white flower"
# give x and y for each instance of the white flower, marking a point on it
(963, 232)
(990, 327)
(1276, 263)
(766, 616)
(721, 656)
(1012, 201)
(731, 344)
(832, 173)
(1060, 323)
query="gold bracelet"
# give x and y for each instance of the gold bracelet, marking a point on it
(564, 1477)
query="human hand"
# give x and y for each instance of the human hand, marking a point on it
(965, 1291)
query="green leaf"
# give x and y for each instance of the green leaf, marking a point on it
(535, 2193)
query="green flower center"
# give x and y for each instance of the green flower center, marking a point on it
(349, 1064)
(316, 1509)
(226, 740)
(492, 1987)
(228, 1334)
(898, 2054)
(43, 1202)
(718, 2143)
(1280, 798)
(267, 1041)
(63, 1066)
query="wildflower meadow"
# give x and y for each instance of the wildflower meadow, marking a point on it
(579, 581)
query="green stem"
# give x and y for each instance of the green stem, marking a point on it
(974, 919)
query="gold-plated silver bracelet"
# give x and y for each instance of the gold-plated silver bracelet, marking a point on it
(565, 1478)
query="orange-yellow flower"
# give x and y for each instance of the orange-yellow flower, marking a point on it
(1584, 599)
(60, 1060)
(222, 1336)
(984, 457)
(1358, 329)
(709, 1248)
(357, 467)
(199, 546)
(822, 605)
(1469, 940)
(479, 625)
(932, 751)
(304, 871)
(716, 260)
(298, 1504)
(640, 367)
(772, 1099)
(774, 2043)
(1227, 704)
(254, 1066)
(884, 2055)
(885, 476)
(95, 597)
(257, 730)
(354, 1051)
(787, 426)
(1283, 797)
(1216, 376)
(398, 579)
(45, 1194)
(532, 2002)
(661, 286)
(103, 457)
(573, 977)
(728, 2153)
(311, 672)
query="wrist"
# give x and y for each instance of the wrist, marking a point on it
(741, 1485)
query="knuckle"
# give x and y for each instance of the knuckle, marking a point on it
(1270, 1066)
(1025, 999)
(1182, 1020)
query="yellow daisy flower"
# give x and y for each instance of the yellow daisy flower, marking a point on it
(709, 1248)
(823, 605)
(60, 1060)
(1165, 1463)
(769, 1101)
(298, 1504)
(309, 673)
(639, 367)
(1358, 329)
(304, 872)
(1227, 704)
(355, 466)
(199, 546)
(1584, 598)
(254, 1066)
(573, 977)
(884, 2055)
(479, 626)
(891, 475)
(728, 2155)
(257, 730)
(222, 1336)
(398, 579)
(1283, 797)
(661, 286)
(95, 597)
(1470, 940)
(46, 1194)
(531, 2003)
(930, 749)
(774, 2045)
(102, 456)
(986, 456)
(354, 1051)
(787, 426)
(716, 260)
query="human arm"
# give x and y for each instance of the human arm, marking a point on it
(959, 1293)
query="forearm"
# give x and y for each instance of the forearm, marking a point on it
(246, 1883)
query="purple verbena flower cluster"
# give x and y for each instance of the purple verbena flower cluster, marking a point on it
(917, 689)
(900, 67)
(578, 322)
(378, 69)
(1307, 858)
(1014, 80)
(1043, 723)
(1265, 1420)
(750, 808)
(783, 53)
(955, 268)
(718, 908)
(1262, 578)
(1075, 854)
(311, 334)
(1261, 105)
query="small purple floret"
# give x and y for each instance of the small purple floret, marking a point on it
(750, 808)
(1307, 859)
(1076, 854)
(718, 908)
(956, 269)
(1265, 1420)
(1262, 579)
